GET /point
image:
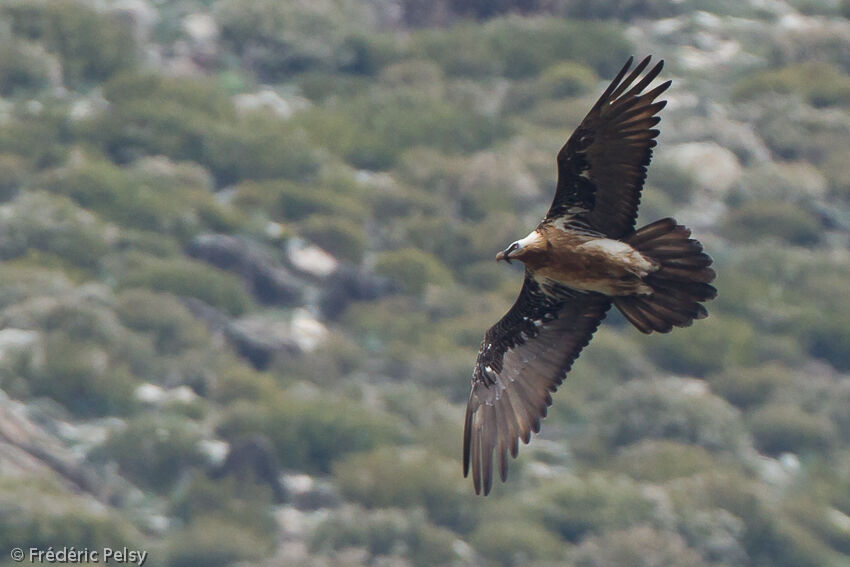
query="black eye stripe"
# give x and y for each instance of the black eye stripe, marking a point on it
(513, 247)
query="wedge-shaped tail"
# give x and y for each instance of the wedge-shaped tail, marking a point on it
(680, 284)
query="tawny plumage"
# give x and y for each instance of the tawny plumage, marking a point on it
(583, 257)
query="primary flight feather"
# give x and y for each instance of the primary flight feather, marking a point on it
(584, 256)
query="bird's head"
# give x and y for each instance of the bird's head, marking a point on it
(520, 248)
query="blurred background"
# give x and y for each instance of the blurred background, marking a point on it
(247, 260)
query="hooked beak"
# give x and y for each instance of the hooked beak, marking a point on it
(504, 255)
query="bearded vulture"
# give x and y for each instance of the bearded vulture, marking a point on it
(583, 256)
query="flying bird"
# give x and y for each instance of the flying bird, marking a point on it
(584, 256)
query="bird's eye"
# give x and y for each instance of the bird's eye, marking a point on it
(513, 247)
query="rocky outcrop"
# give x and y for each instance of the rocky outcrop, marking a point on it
(269, 281)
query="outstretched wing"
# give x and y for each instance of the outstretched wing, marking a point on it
(523, 359)
(602, 167)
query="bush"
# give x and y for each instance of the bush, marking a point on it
(671, 409)
(412, 269)
(389, 478)
(191, 120)
(131, 198)
(574, 507)
(232, 500)
(153, 451)
(661, 461)
(819, 83)
(785, 428)
(641, 546)
(91, 46)
(22, 69)
(38, 513)
(567, 79)
(677, 183)
(12, 175)
(78, 375)
(190, 278)
(294, 201)
(766, 533)
(512, 543)
(309, 434)
(341, 237)
(521, 47)
(385, 532)
(371, 132)
(39, 139)
(172, 326)
(709, 346)
(214, 543)
(748, 387)
(53, 225)
(790, 222)
(276, 40)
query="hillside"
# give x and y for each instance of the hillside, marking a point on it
(247, 261)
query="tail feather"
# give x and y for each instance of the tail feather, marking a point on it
(680, 283)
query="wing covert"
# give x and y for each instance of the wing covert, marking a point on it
(602, 166)
(523, 359)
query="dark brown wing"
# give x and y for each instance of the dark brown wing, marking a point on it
(602, 167)
(523, 359)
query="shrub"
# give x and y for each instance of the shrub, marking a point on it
(294, 201)
(153, 451)
(55, 226)
(388, 478)
(91, 46)
(40, 140)
(12, 175)
(126, 198)
(231, 500)
(677, 183)
(172, 326)
(566, 79)
(748, 387)
(310, 434)
(660, 461)
(22, 69)
(670, 409)
(385, 532)
(522, 47)
(38, 513)
(371, 132)
(766, 533)
(190, 278)
(786, 221)
(79, 375)
(576, 507)
(641, 546)
(191, 120)
(276, 39)
(341, 237)
(709, 346)
(412, 269)
(511, 543)
(259, 146)
(415, 74)
(785, 428)
(214, 543)
(819, 83)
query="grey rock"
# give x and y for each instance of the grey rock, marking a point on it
(269, 281)
(350, 283)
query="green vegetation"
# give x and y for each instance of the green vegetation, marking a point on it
(180, 371)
